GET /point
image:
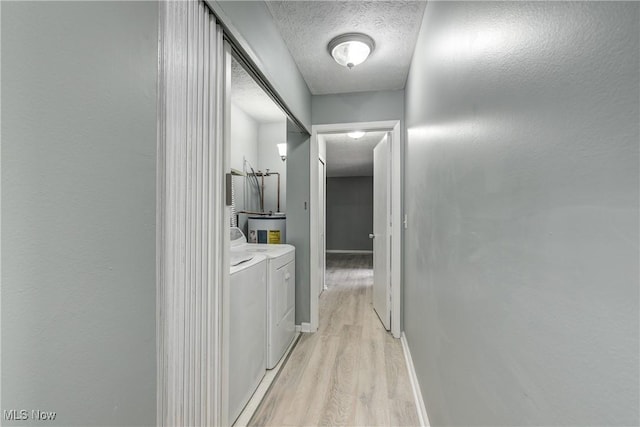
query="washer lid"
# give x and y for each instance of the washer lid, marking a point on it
(256, 261)
(270, 250)
(237, 258)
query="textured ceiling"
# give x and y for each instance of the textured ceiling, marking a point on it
(250, 98)
(351, 157)
(308, 26)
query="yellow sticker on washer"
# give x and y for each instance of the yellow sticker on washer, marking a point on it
(274, 236)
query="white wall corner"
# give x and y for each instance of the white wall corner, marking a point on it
(415, 386)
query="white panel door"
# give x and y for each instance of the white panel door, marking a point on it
(321, 224)
(381, 265)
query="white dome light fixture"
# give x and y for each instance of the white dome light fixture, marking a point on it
(351, 49)
(356, 134)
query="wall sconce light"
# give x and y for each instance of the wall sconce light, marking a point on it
(282, 150)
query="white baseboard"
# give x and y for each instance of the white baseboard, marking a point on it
(415, 386)
(347, 251)
(305, 327)
(298, 329)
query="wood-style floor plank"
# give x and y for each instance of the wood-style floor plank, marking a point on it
(372, 404)
(352, 371)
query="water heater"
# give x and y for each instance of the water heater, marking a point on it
(267, 229)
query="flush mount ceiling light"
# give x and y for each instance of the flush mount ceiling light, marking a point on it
(356, 134)
(351, 49)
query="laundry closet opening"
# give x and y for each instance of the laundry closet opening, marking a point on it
(261, 313)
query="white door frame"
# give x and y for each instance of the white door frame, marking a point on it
(392, 126)
(323, 227)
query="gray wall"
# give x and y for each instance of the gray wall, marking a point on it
(349, 213)
(522, 190)
(78, 210)
(357, 107)
(251, 22)
(298, 215)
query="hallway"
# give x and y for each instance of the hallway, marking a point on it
(134, 134)
(351, 372)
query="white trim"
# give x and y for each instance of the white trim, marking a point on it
(392, 126)
(304, 327)
(348, 251)
(423, 418)
(0, 232)
(396, 229)
(324, 225)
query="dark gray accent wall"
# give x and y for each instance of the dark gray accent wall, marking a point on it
(349, 213)
(298, 219)
(79, 211)
(522, 193)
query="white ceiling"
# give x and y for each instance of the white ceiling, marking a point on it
(251, 98)
(308, 26)
(351, 157)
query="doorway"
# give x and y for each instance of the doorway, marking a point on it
(393, 221)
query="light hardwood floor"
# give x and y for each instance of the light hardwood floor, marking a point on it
(351, 372)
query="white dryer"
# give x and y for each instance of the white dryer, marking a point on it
(281, 293)
(247, 331)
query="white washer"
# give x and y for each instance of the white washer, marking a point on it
(281, 293)
(247, 310)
